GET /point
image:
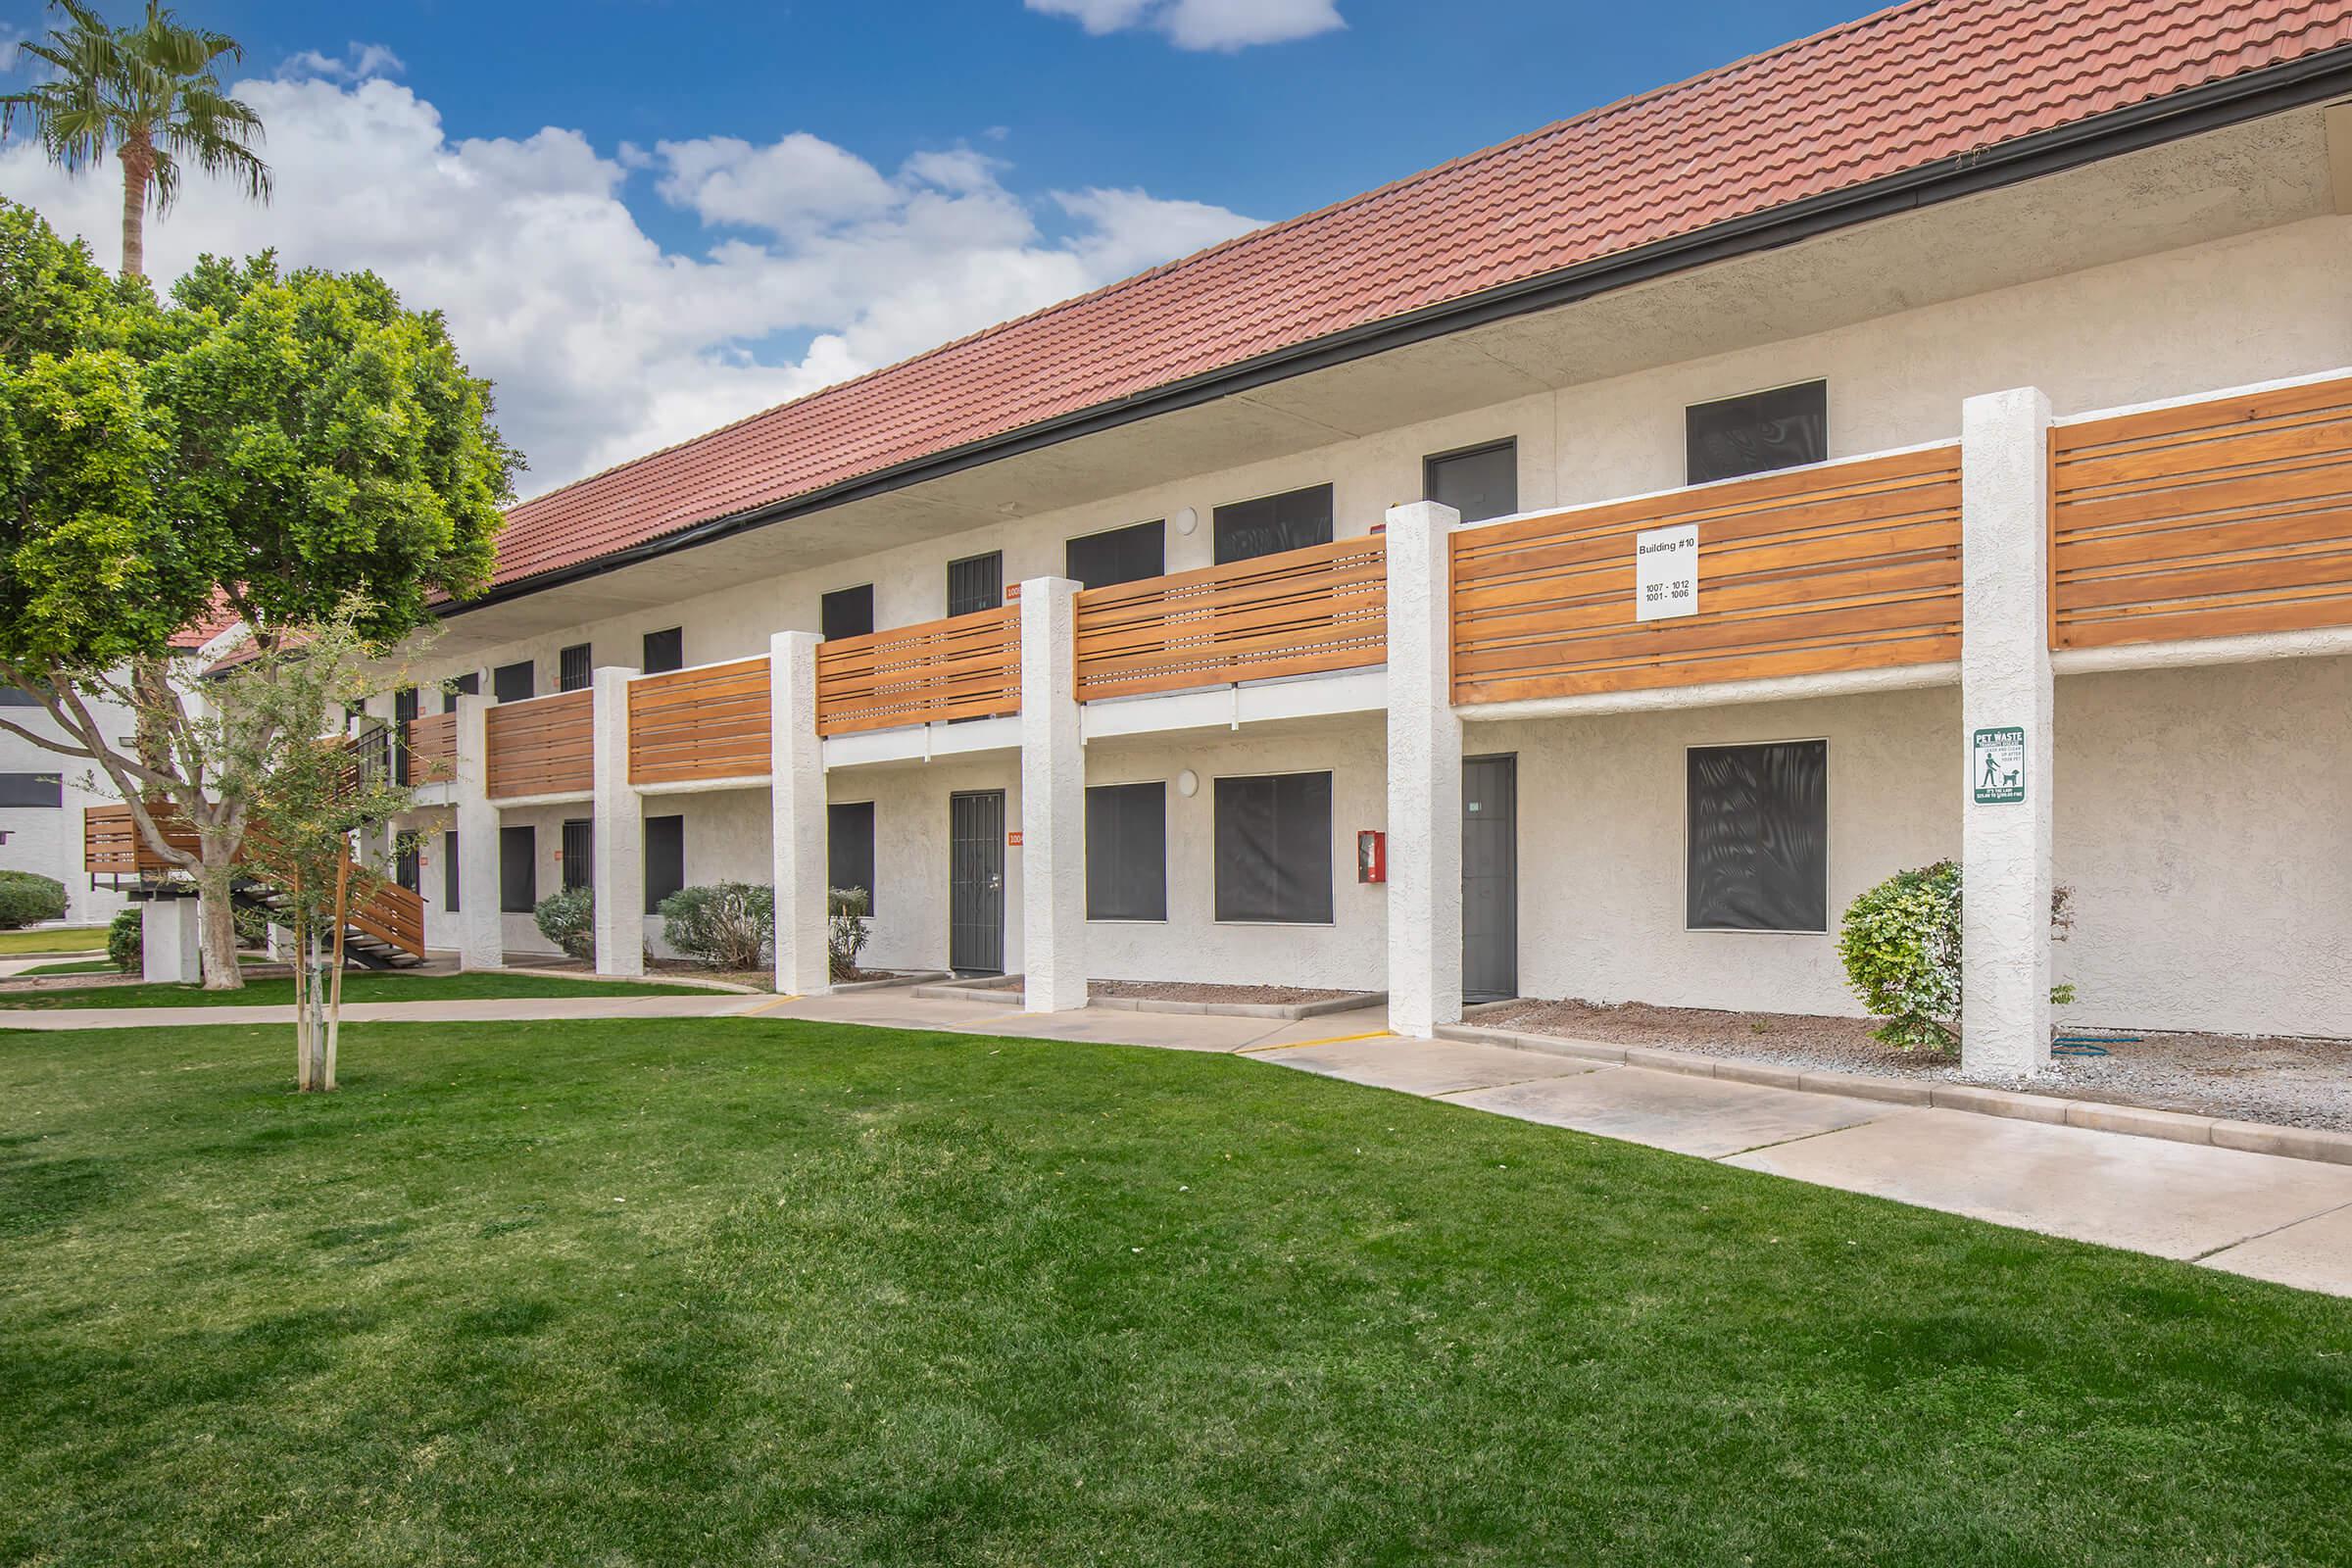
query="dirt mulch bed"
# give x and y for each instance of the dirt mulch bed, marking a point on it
(2286, 1081)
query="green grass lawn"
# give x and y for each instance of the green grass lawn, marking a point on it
(358, 986)
(752, 1291)
(56, 938)
(68, 967)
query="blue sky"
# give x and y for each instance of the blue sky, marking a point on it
(646, 218)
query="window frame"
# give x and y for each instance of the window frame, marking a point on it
(1689, 409)
(654, 895)
(825, 601)
(33, 777)
(1330, 829)
(1162, 918)
(566, 859)
(1429, 472)
(507, 834)
(996, 597)
(1331, 521)
(873, 845)
(564, 667)
(453, 879)
(646, 664)
(531, 668)
(1828, 848)
(1160, 527)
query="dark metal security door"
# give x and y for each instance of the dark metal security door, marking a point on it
(976, 882)
(1489, 878)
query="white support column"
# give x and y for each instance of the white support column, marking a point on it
(2005, 686)
(798, 798)
(1053, 800)
(1425, 777)
(481, 928)
(618, 874)
(171, 941)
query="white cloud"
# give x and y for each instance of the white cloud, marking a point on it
(356, 64)
(1223, 25)
(604, 343)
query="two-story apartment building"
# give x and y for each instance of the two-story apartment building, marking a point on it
(1579, 570)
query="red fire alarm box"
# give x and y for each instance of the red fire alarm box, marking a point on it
(1371, 855)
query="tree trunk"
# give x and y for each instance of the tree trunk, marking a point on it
(216, 877)
(138, 168)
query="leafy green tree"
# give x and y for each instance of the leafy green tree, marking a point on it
(262, 448)
(150, 96)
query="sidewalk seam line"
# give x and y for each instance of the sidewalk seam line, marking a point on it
(2333, 1208)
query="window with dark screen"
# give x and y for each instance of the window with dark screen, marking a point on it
(1757, 432)
(1117, 555)
(579, 852)
(1273, 840)
(1480, 482)
(33, 789)
(574, 668)
(850, 848)
(1758, 843)
(663, 651)
(468, 684)
(517, 869)
(1127, 851)
(1270, 524)
(976, 582)
(665, 859)
(452, 878)
(846, 612)
(514, 683)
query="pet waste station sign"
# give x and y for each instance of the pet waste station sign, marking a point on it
(1666, 573)
(1997, 766)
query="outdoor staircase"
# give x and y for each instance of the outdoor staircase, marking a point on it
(382, 930)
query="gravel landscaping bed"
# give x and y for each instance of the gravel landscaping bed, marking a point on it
(1181, 990)
(2286, 1081)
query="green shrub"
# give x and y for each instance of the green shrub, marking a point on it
(1900, 943)
(845, 930)
(28, 897)
(125, 946)
(728, 925)
(568, 920)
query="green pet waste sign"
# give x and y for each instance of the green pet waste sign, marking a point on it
(1998, 768)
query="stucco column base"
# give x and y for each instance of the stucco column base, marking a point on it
(1053, 800)
(619, 873)
(481, 928)
(798, 799)
(1425, 777)
(2005, 683)
(171, 941)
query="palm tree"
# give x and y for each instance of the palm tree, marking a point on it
(149, 95)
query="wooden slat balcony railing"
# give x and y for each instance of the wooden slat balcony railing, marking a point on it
(965, 667)
(696, 726)
(1300, 613)
(545, 745)
(1839, 566)
(112, 844)
(2221, 517)
(432, 748)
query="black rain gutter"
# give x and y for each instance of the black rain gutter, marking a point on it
(2214, 106)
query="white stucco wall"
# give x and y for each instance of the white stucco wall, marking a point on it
(2205, 826)
(1191, 944)
(910, 923)
(47, 840)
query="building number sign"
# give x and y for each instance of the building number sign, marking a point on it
(1666, 573)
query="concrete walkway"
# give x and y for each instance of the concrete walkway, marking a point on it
(2264, 1215)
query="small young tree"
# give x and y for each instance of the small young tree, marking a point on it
(255, 451)
(315, 802)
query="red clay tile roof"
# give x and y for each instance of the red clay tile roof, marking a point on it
(1904, 88)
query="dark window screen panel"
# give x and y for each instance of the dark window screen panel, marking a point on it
(847, 611)
(404, 715)
(517, 869)
(17, 697)
(1274, 848)
(33, 789)
(665, 859)
(1781, 429)
(579, 852)
(1479, 484)
(409, 869)
(514, 683)
(468, 684)
(1127, 851)
(452, 877)
(1271, 524)
(665, 650)
(850, 848)
(1121, 555)
(976, 582)
(1758, 837)
(572, 667)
